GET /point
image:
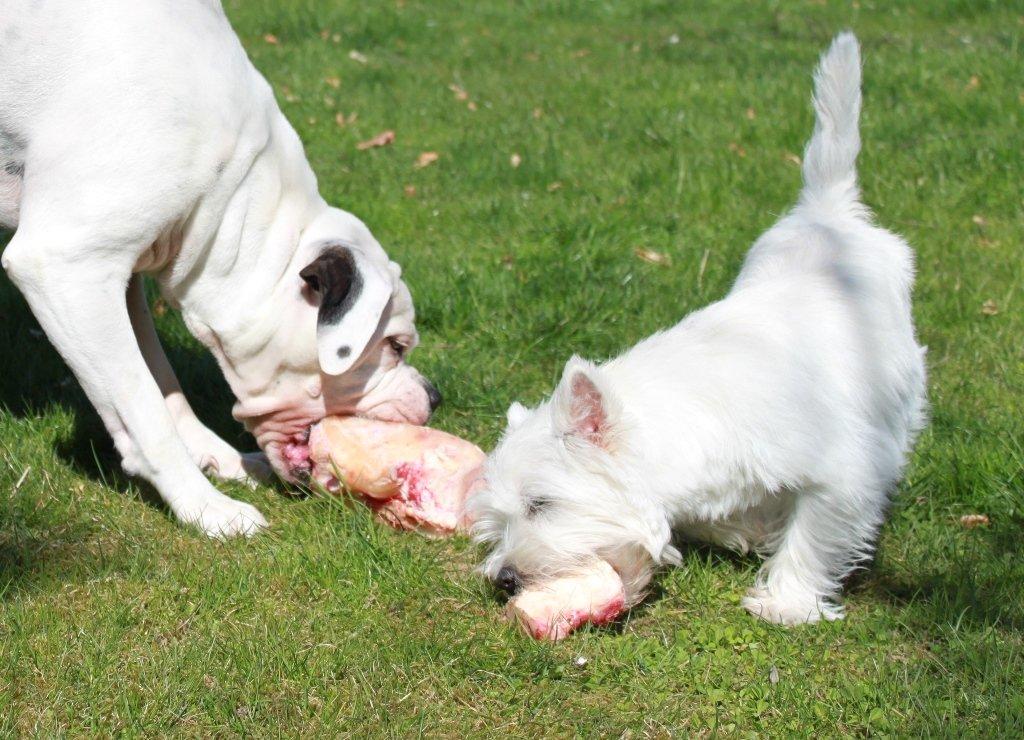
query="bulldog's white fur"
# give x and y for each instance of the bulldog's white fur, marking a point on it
(777, 419)
(136, 137)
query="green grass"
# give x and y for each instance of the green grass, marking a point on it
(113, 618)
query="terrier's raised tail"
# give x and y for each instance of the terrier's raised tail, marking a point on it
(830, 175)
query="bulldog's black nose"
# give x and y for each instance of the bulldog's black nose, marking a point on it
(508, 580)
(433, 395)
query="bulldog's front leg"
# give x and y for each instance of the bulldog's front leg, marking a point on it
(212, 454)
(77, 294)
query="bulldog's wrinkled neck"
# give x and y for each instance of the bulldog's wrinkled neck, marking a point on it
(236, 258)
(239, 245)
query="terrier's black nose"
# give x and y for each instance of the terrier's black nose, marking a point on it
(508, 580)
(433, 395)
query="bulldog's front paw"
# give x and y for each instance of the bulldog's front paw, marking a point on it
(220, 517)
(219, 460)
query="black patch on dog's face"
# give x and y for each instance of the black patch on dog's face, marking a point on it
(334, 277)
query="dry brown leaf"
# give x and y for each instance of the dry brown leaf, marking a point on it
(537, 112)
(410, 191)
(794, 158)
(270, 39)
(355, 56)
(460, 94)
(471, 105)
(974, 83)
(333, 81)
(554, 186)
(734, 147)
(970, 521)
(989, 308)
(288, 94)
(515, 160)
(751, 114)
(978, 220)
(328, 101)
(580, 53)
(159, 307)
(425, 159)
(325, 34)
(336, 38)
(649, 255)
(382, 139)
(341, 120)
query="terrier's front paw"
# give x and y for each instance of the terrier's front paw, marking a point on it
(789, 610)
(220, 517)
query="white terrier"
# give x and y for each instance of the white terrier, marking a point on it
(777, 419)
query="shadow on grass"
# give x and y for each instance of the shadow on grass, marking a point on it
(36, 379)
(36, 386)
(982, 588)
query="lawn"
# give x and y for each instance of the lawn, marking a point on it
(570, 135)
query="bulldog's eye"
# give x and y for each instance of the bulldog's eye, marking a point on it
(398, 346)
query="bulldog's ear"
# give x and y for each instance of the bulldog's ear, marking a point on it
(353, 295)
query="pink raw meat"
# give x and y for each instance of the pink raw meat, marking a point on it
(413, 477)
(550, 610)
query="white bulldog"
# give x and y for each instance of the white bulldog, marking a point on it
(136, 137)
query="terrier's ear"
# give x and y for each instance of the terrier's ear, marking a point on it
(589, 418)
(582, 408)
(516, 414)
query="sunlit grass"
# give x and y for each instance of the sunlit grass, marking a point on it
(650, 125)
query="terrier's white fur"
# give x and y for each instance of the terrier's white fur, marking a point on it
(777, 419)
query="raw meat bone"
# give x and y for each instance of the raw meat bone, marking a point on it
(550, 610)
(413, 477)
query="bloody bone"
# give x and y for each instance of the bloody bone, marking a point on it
(550, 610)
(412, 477)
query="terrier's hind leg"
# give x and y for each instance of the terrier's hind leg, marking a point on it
(828, 532)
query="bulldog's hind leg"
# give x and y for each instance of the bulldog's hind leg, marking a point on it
(212, 454)
(76, 288)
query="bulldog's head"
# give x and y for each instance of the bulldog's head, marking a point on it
(334, 339)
